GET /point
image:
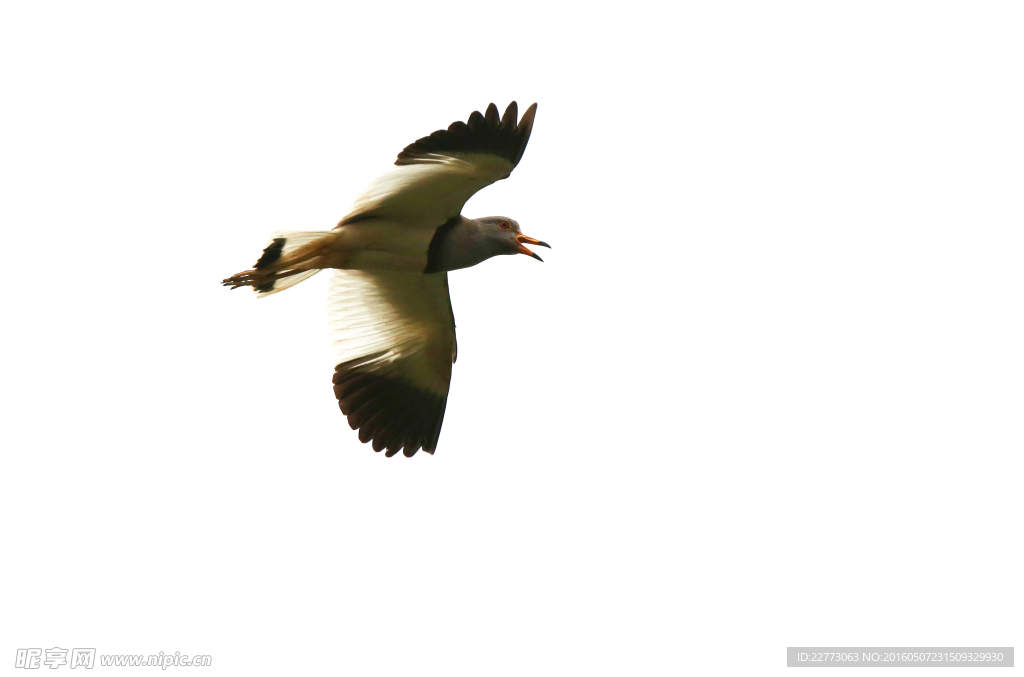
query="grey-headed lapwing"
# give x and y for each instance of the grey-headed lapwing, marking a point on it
(391, 318)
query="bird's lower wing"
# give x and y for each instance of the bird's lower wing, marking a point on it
(394, 343)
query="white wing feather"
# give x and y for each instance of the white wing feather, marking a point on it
(431, 192)
(404, 319)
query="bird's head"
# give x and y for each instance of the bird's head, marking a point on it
(507, 238)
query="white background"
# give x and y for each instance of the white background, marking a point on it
(765, 391)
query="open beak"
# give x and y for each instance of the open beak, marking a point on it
(521, 239)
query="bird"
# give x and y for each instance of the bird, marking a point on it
(390, 314)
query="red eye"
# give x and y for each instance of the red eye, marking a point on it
(504, 225)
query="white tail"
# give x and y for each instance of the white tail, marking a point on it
(289, 258)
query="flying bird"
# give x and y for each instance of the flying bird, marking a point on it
(391, 320)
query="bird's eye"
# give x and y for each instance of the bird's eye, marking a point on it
(504, 225)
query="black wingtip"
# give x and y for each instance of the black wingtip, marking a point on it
(388, 411)
(492, 115)
(510, 116)
(482, 133)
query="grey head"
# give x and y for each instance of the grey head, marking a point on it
(505, 237)
(463, 242)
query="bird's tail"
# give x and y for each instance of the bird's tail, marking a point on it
(289, 258)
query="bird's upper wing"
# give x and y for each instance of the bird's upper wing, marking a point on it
(437, 174)
(394, 343)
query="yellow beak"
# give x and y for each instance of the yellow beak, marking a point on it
(529, 240)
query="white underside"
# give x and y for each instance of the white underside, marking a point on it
(429, 194)
(405, 316)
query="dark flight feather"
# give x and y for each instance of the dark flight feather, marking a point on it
(387, 410)
(481, 134)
